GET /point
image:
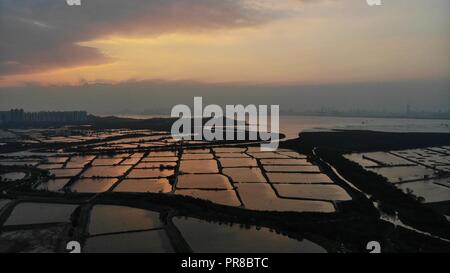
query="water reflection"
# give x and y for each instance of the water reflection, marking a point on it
(111, 219)
(431, 192)
(323, 192)
(237, 162)
(106, 171)
(205, 237)
(37, 240)
(292, 169)
(137, 242)
(197, 156)
(245, 175)
(39, 213)
(87, 185)
(307, 178)
(12, 176)
(404, 173)
(3, 202)
(199, 166)
(154, 165)
(53, 185)
(157, 185)
(260, 196)
(203, 181)
(223, 197)
(64, 173)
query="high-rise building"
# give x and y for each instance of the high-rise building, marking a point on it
(19, 116)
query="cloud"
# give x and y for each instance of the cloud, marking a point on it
(39, 35)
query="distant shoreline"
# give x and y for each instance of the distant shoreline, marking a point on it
(400, 116)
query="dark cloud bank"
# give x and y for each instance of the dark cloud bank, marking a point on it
(39, 35)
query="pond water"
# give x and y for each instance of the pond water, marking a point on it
(432, 192)
(55, 160)
(130, 161)
(39, 213)
(159, 185)
(13, 176)
(126, 146)
(199, 166)
(440, 150)
(444, 168)
(245, 175)
(197, 156)
(106, 161)
(426, 157)
(3, 202)
(164, 154)
(150, 173)
(229, 150)
(79, 161)
(120, 156)
(137, 242)
(291, 168)
(53, 185)
(153, 165)
(323, 192)
(28, 153)
(267, 155)
(197, 151)
(358, 158)
(285, 162)
(223, 197)
(137, 155)
(19, 163)
(292, 154)
(237, 162)
(40, 240)
(160, 159)
(87, 185)
(112, 219)
(256, 149)
(442, 181)
(405, 173)
(232, 155)
(386, 158)
(260, 196)
(206, 237)
(203, 181)
(306, 178)
(50, 166)
(106, 171)
(65, 173)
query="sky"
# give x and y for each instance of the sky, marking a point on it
(270, 43)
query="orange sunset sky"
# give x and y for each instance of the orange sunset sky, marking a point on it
(257, 41)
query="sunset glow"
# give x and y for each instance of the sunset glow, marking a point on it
(290, 42)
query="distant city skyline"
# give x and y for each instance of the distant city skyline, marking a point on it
(21, 116)
(140, 96)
